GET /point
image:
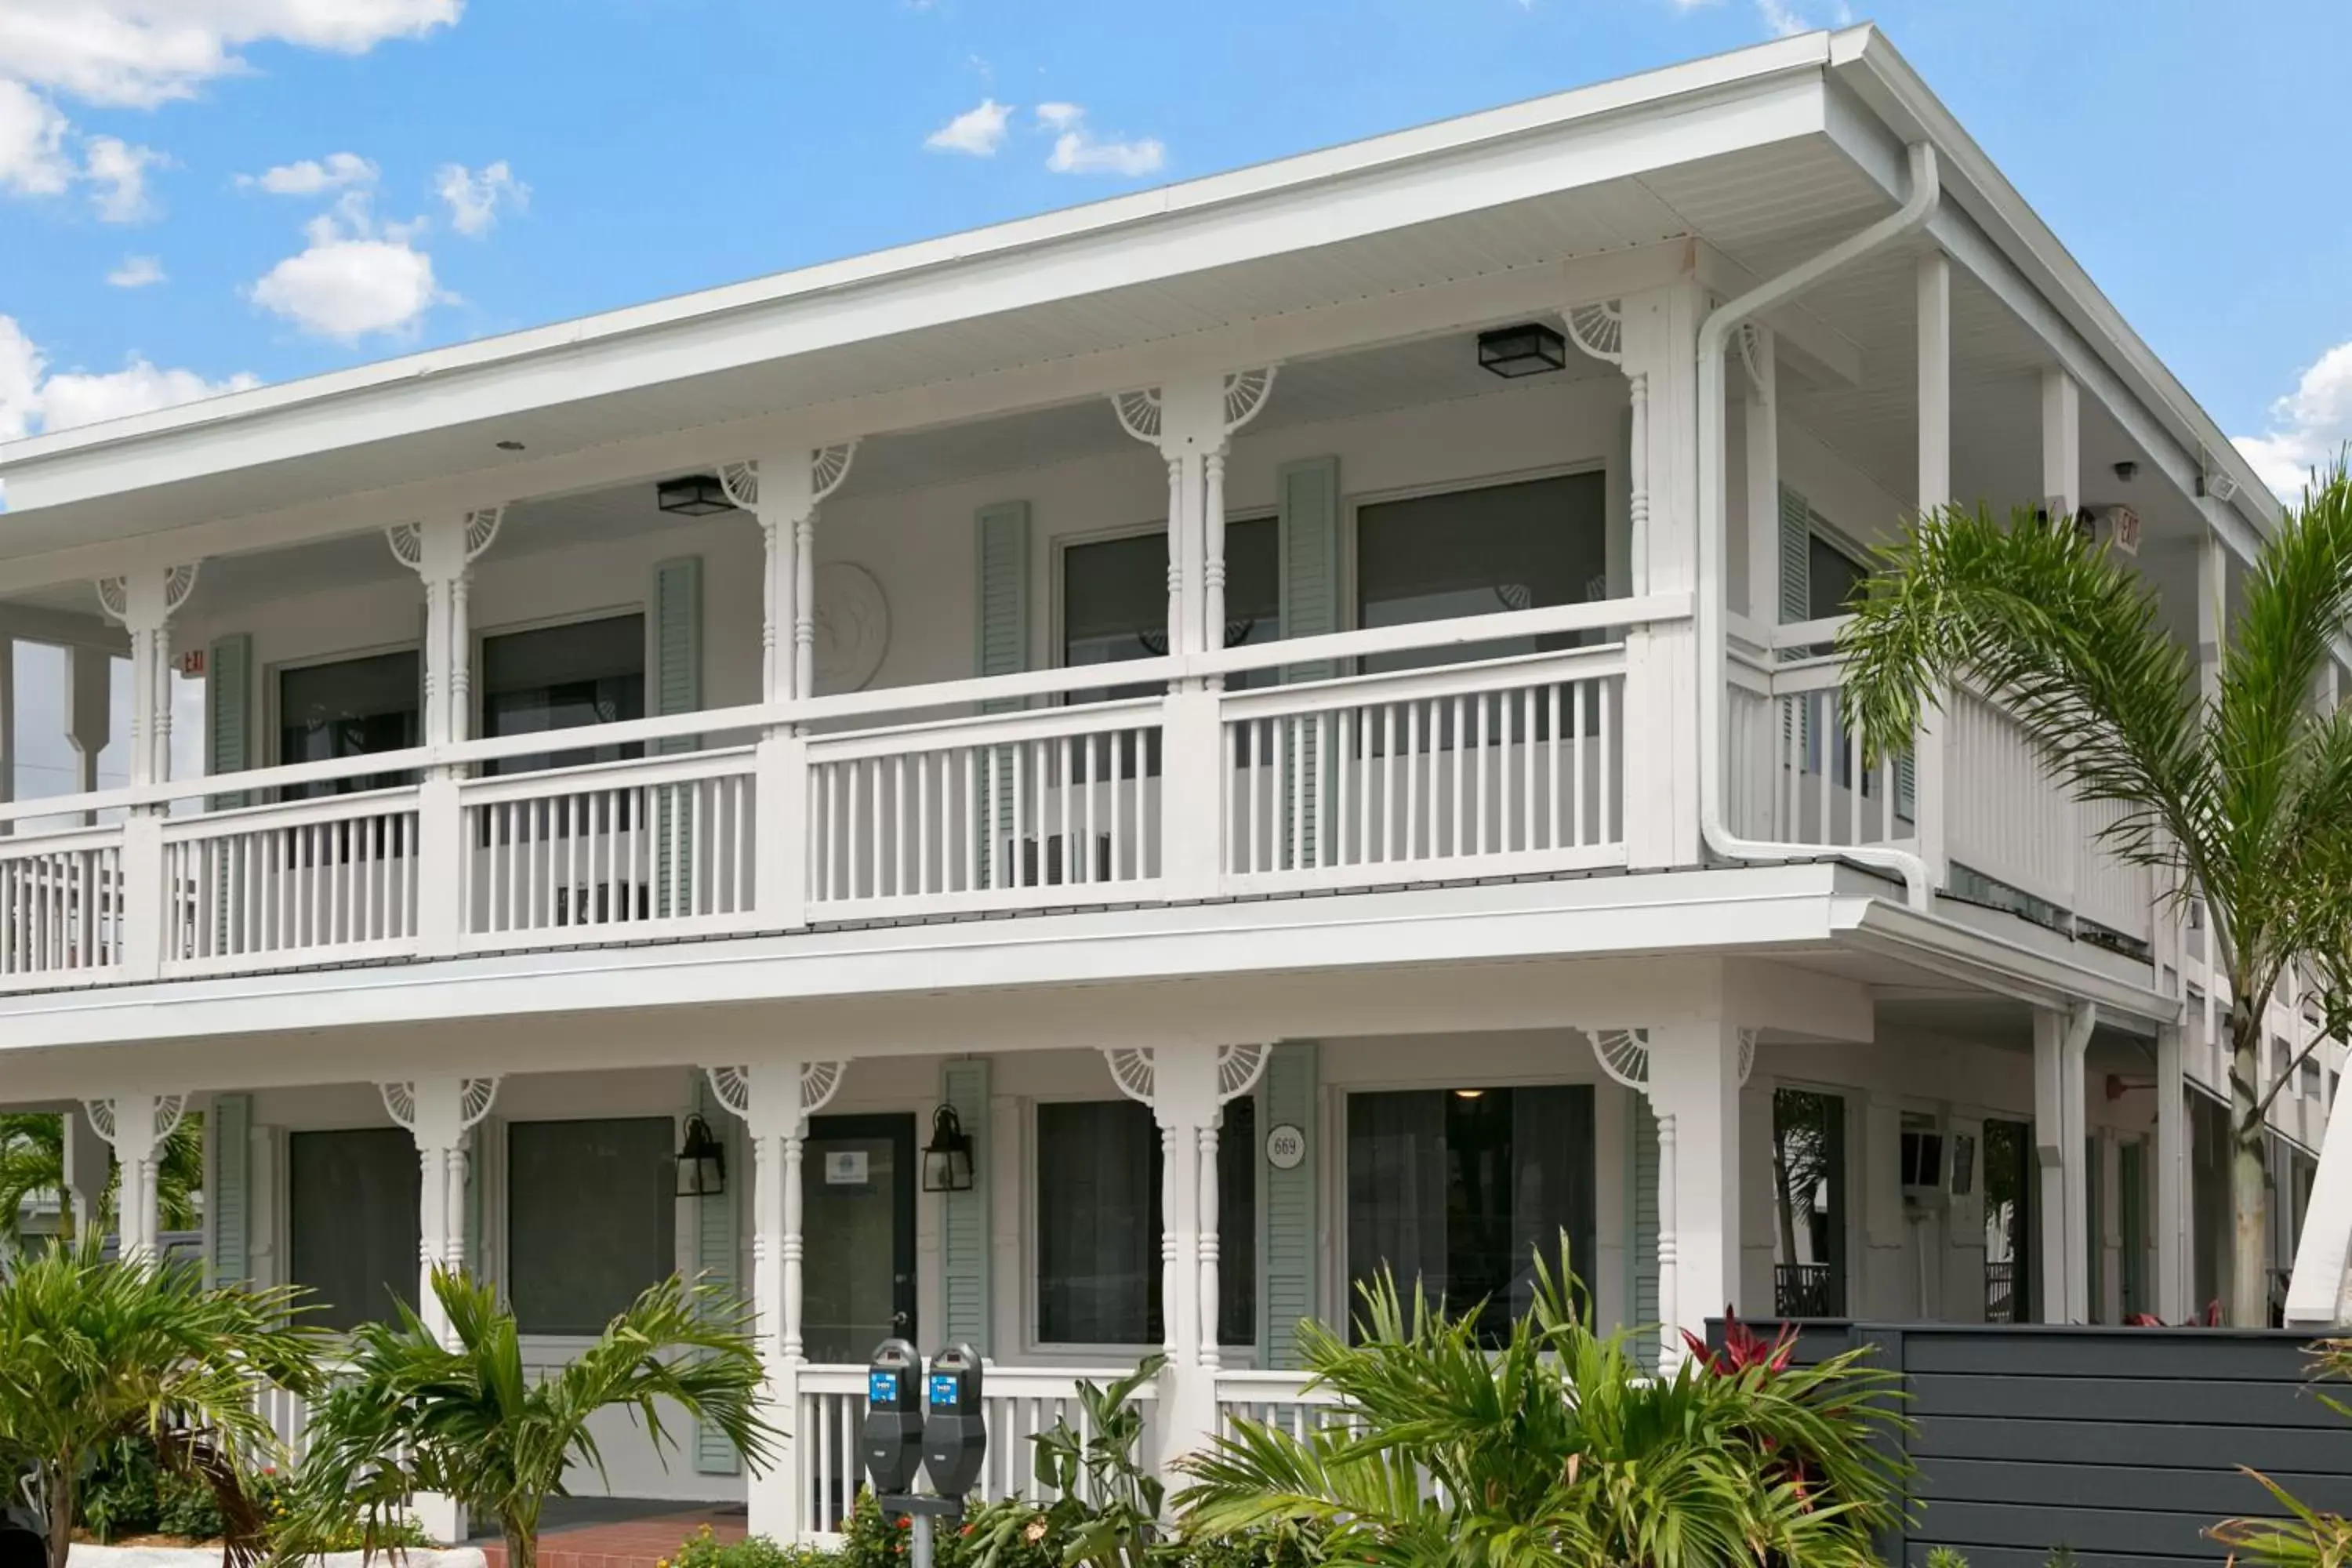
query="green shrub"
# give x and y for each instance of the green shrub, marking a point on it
(705, 1549)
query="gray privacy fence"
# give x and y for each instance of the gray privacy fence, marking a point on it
(2122, 1445)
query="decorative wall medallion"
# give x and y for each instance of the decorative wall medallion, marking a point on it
(853, 626)
(1285, 1146)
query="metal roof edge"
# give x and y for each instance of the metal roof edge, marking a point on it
(1864, 58)
(1644, 91)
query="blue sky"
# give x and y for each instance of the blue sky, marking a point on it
(193, 192)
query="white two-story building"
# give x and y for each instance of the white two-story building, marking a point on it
(1466, 850)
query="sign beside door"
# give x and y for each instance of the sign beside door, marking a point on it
(847, 1167)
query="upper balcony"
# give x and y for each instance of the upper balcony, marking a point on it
(1382, 617)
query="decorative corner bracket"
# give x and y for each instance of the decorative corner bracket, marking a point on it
(820, 1081)
(1135, 1068)
(1624, 1055)
(1599, 330)
(475, 1099)
(168, 1109)
(1143, 411)
(828, 467)
(114, 593)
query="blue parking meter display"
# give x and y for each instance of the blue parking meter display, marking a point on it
(955, 1429)
(891, 1442)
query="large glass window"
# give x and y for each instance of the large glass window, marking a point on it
(351, 1219)
(1098, 1223)
(560, 677)
(1115, 599)
(1462, 1189)
(348, 708)
(591, 1219)
(1809, 1203)
(1480, 552)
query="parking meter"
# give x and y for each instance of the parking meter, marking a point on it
(892, 1439)
(955, 1431)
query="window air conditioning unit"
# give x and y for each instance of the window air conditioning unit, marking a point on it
(1923, 1165)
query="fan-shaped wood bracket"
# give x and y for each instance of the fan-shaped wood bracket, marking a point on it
(1143, 411)
(1624, 1055)
(105, 1120)
(1136, 1070)
(114, 593)
(819, 1082)
(1599, 329)
(475, 1097)
(828, 467)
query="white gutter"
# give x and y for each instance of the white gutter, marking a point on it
(1713, 337)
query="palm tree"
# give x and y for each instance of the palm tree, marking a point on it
(2244, 801)
(464, 1420)
(1558, 1449)
(33, 1165)
(93, 1352)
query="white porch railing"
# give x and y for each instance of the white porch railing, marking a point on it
(921, 802)
(1018, 1403)
(1277, 1399)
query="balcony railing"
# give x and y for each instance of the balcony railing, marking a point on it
(883, 805)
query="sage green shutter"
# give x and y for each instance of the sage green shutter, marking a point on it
(228, 702)
(676, 689)
(228, 1188)
(480, 1143)
(1641, 1214)
(718, 1255)
(2132, 1179)
(1307, 496)
(1002, 641)
(2095, 1228)
(1288, 1287)
(1796, 557)
(963, 1216)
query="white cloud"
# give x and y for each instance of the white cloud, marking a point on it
(475, 199)
(1078, 151)
(119, 169)
(355, 279)
(2307, 427)
(144, 52)
(33, 161)
(978, 131)
(32, 400)
(312, 177)
(137, 272)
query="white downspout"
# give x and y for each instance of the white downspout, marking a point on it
(1714, 336)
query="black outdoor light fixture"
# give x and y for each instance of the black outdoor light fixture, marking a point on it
(1529, 348)
(696, 495)
(947, 1158)
(702, 1163)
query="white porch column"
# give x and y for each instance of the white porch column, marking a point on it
(1653, 338)
(135, 1126)
(1935, 335)
(1692, 1072)
(775, 1096)
(442, 550)
(1187, 1088)
(438, 1113)
(783, 492)
(2060, 1041)
(89, 715)
(1760, 409)
(1192, 424)
(143, 604)
(2061, 445)
(2170, 1177)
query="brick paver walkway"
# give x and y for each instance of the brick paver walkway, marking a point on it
(625, 1543)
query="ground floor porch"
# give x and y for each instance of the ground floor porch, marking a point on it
(1142, 1175)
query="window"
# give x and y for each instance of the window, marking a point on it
(1115, 599)
(1462, 1189)
(1100, 1224)
(349, 707)
(591, 1219)
(1520, 546)
(1832, 579)
(559, 677)
(352, 1222)
(1809, 1200)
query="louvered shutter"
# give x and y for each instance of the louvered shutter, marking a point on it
(229, 704)
(228, 1189)
(717, 1254)
(1308, 496)
(964, 1239)
(1003, 646)
(676, 689)
(1291, 1279)
(1642, 1185)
